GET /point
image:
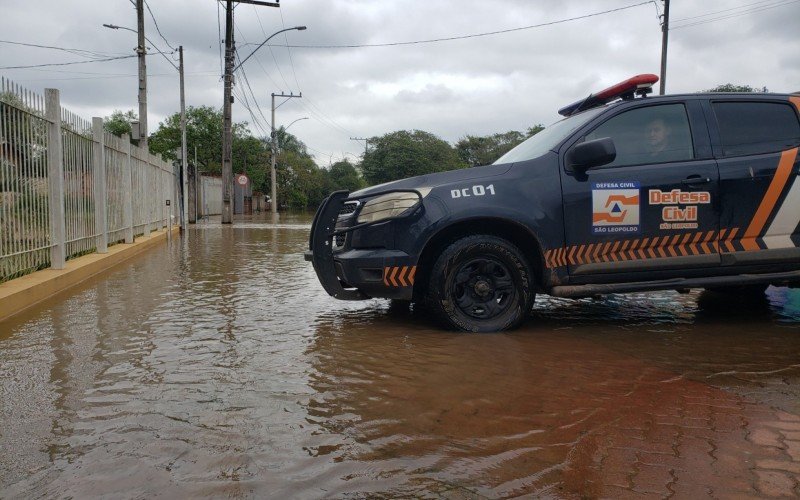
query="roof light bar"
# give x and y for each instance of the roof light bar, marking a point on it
(639, 84)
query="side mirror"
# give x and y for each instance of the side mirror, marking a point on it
(591, 154)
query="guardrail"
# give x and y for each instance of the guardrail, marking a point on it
(56, 169)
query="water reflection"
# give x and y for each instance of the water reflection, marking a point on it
(217, 366)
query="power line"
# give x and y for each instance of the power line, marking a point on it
(156, 25)
(288, 51)
(277, 66)
(319, 115)
(474, 35)
(724, 10)
(77, 52)
(67, 63)
(732, 15)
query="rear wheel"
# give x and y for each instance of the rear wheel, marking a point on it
(481, 283)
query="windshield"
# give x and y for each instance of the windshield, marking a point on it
(548, 138)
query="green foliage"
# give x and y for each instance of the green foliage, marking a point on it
(476, 150)
(402, 154)
(23, 141)
(119, 123)
(203, 132)
(301, 183)
(730, 87)
(343, 176)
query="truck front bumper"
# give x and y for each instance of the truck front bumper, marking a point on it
(356, 274)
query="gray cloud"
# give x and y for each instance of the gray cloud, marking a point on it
(474, 86)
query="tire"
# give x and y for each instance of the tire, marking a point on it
(481, 283)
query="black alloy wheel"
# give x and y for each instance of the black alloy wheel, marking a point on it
(481, 283)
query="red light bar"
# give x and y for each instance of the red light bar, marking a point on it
(621, 89)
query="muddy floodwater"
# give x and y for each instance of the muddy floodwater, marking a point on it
(216, 366)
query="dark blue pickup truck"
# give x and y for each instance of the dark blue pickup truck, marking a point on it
(627, 193)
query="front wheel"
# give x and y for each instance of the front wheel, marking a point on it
(481, 283)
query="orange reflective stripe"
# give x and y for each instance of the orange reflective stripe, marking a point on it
(796, 101)
(386, 275)
(684, 244)
(411, 274)
(612, 255)
(770, 199)
(671, 247)
(642, 248)
(729, 241)
(402, 276)
(693, 245)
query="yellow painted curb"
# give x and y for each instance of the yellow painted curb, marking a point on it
(23, 292)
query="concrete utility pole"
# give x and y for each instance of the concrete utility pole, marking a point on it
(366, 143)
(227, 138)
(664, 35)
(141, 50)
(272, 175)
(184, 152)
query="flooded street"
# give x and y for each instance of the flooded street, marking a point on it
(216, 365)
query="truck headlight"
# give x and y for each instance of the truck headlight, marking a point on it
(390, 205)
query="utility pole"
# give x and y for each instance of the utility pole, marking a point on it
(141, 50)
(272, 175)
(184, 152)
(664, 35)
(227, 139)
(366, 143)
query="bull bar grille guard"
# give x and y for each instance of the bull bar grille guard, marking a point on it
(323, 229)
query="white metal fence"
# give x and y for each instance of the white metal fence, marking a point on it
(56, 169)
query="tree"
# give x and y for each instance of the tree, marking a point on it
(729, 87)
(343, 176)
(203, 132)
(476, 151)
(301, 183)
(402, 154)
(119, 123)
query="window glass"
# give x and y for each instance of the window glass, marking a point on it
(748, 128)
(654, 134)
(548, 139)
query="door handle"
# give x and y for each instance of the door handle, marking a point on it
(694, 180)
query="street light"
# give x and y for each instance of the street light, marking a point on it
(298, 28)
(184, 152)
(227, 139)
(287, 127)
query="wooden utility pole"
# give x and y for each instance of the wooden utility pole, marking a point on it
(227, 137)
(141, 50)
(273, 176)
(664, 35)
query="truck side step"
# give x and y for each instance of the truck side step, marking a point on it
(579, 291)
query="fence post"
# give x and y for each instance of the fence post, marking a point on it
(55, 173)
(147, 195)
(100, 190)
(127, 189)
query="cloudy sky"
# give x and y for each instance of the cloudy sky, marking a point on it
(478, 85)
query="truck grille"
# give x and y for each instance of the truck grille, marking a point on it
(348, 209)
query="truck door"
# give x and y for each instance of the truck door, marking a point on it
(654, 209)
(756, 142)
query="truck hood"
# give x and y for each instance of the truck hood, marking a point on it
(437, 179)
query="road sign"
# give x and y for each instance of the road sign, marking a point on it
(242, 179)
